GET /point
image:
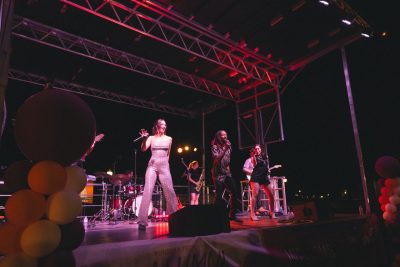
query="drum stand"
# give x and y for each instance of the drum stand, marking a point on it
(103, 213)
(117, 210)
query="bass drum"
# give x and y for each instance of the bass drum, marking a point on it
(132, 205)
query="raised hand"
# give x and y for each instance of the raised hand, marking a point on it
(144, 133)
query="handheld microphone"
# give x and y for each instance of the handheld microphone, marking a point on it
(139, 138)
(227, 143)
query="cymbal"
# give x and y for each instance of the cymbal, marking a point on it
(102, 175)
(117, 179)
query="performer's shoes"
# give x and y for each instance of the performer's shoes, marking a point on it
(254, 218)
(142, 227)
(262, 209)
(272, 215)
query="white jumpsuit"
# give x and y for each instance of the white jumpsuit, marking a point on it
(158, 166)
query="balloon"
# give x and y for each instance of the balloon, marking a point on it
(54, 125)
(383, 199)
(390, 208)
(18, 260)
(387, 166)
(390, 183)
(47, 177)
(76, 178)
(10, 235)
(386, 192)
(16, 176)
(396, 191)
(63, 207)
(40, 238)
(383, 207)
(59, 258)
(25, 207)
(387, 216)
(72, 235)
(395, 199)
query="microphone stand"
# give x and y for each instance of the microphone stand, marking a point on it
(134, 167)
(134, 209)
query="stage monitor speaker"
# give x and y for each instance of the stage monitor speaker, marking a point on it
(313, 210)
(199, 220)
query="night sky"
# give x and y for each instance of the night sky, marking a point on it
(318, 154)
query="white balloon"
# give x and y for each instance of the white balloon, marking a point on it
(390, 208)
(395, 200)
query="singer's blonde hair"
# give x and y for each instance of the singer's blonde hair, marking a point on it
(191, 164)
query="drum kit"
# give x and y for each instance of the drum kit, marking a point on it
(123, 201)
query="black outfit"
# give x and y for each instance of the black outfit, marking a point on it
(195, 175)
(222, 178)
(260, 172)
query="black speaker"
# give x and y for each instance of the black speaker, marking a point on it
(199, 220)
(314, 210)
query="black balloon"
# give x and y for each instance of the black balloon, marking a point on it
(72, 235)
(16, 176)
(59, 258)
(387, 167)
(54, 125)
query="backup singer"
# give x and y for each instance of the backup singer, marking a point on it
(193, 177)
(248, 167)
(221, 173)
(160, 145)
(260, 177)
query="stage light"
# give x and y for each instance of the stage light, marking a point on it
(367, 33)
(325, 3)
(180, 150)
(186, 148)
(233, 74)
(195, 149)
(110, 172)
(285, 180)
(346, 21)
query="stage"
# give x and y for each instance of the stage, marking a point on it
(346, 240)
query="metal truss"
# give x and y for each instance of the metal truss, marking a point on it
(165, 25)
(97, 93)
(34, 31)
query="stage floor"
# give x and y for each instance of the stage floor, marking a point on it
(128, 230)
(345, 240)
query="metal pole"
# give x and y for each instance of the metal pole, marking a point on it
(355, 131)
(203, 156)
(6, 16)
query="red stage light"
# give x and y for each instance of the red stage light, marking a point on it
(233, 74)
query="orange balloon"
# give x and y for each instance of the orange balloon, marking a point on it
(40, 238)
(18, 260)
(10, 235)
(76, 178)
(47, 177)
(25, 207)
(63, 207)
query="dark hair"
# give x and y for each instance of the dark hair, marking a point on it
(215, 140)
(154, 129)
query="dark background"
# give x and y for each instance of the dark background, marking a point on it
(318, 154)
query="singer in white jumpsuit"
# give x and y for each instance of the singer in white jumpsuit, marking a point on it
(160, 145)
